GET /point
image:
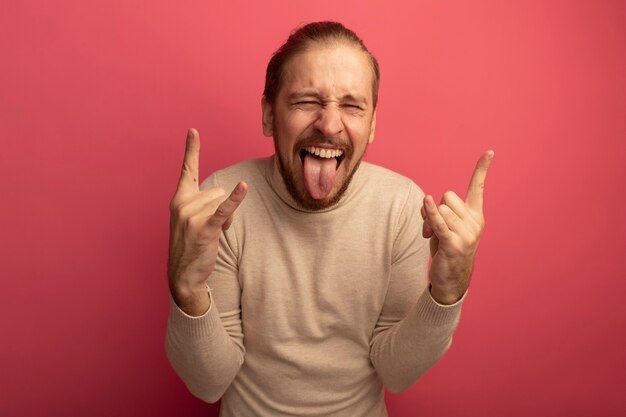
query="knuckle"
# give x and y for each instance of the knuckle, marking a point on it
(441, 227)
(462, 253)
(445, 211)
(453, 219)
(221, 211)
(173, 206)
(471, 240)
(184, 211)
(448, 195)
(191, 222)
(176, 207)
(196, 223)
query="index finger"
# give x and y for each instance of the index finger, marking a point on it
(190, 172)
(474, 199)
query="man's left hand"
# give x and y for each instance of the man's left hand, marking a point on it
(454, 228)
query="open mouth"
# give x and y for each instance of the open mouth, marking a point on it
(323, 153)
(319, 169)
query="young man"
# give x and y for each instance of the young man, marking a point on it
(305, 292)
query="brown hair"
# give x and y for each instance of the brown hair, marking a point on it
(299, 40)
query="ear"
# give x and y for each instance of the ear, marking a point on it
(372, 128)
(268, 117)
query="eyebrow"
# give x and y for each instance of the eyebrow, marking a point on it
(313, 93)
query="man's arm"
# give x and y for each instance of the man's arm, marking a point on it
(204, 347)
(402, 349)
(207, 351)
(413, 331)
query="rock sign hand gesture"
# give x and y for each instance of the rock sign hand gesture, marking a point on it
(197, 218)
(454, 228)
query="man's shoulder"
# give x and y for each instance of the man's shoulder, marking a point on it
(383, 180)
(252, 171)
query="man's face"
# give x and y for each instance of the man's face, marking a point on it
(322, 120)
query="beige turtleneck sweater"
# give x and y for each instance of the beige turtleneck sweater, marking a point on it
(313, 313)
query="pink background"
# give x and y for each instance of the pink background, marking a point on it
(95, 101)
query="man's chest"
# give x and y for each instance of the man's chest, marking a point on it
(314, 282)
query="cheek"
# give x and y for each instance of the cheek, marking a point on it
(358, 130)
(298, 120)
(292, 128)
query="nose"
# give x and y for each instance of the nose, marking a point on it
(329, 121)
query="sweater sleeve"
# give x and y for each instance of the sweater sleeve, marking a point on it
(413, 331)
(207, 351)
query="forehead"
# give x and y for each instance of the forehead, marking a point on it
(332, 70)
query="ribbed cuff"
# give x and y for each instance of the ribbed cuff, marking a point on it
(195, 326)
(438, 314)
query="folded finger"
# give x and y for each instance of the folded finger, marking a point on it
(452, 200)
(453, 222)
(200, 201)
(427, 231)
(437, 223)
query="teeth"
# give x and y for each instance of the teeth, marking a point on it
(323, 152)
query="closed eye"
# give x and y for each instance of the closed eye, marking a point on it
(307, 105)
(352, 107)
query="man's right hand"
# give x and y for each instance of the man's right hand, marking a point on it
(197, 219)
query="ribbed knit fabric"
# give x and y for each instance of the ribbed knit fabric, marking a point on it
(313, 313)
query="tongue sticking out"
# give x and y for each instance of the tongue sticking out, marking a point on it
(319, 175)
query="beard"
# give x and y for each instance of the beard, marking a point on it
(297, 191)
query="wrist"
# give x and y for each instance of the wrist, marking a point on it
(446, 296)
(194, 301)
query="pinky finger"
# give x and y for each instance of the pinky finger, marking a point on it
(427, 231)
